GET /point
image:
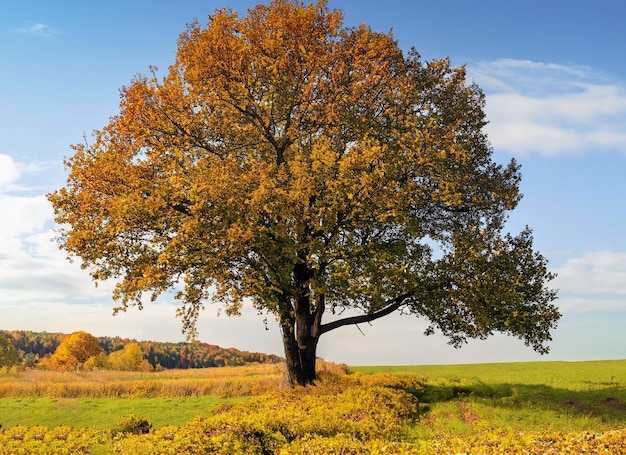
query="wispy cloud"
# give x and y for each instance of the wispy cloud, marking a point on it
(37, 29)
(589, 304)
(27, 256)
(595, 281)
(12, 172)
(600, 272)
(9, 172)
(551, 109)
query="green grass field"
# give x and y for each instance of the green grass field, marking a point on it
(523, 407)
(526, 396)
(566, 375)
(103, 413)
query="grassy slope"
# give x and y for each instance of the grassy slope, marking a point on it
(528, 396)
(104, 413)
(571, 375)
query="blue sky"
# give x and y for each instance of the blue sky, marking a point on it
(555, 80)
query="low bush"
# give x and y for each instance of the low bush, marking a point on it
(40, 440)
(339, 411)
(131, 424)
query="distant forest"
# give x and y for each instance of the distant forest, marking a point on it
(35, 346)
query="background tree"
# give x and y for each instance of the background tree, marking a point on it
(40, 344)
(98, 362)
(9, 356)
(75, 350)
(311, 169)
(129, 358)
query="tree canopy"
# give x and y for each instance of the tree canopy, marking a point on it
(308, 168)
(75, 350)
(129, 358)
(9, 356)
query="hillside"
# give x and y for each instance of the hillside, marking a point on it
(34, 346)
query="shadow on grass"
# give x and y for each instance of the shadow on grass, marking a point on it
(604, 405)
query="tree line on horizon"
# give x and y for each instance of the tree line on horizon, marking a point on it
(56, 351)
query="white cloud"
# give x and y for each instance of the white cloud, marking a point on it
(551, 109)
(31, 266)
(37, 29)
(156, 322)
(589, 304)
(9, 171)
(23, 214)
(601, 272)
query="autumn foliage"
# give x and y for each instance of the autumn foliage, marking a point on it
(9, 356)
(75, 350)
(308, 168)
(25, 348)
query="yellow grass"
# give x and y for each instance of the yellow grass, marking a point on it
(222, 382)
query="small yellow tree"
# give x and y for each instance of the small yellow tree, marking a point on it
(128, 359)
(75, 350)
(97, 362)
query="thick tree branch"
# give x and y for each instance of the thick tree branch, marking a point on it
(393, 306)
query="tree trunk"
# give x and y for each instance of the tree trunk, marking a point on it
(300, 323)
(301, 332)
(302, 327)
(299, 357)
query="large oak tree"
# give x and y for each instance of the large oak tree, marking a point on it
(308, 168)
